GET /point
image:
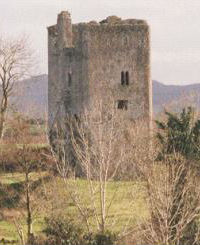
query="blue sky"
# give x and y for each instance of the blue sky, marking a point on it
(175, 31)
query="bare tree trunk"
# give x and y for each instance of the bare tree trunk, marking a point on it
(2, 120)
(20, 232)
(28, 207)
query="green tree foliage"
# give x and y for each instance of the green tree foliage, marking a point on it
(181, 133)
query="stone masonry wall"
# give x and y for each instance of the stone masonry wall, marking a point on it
(117, 48)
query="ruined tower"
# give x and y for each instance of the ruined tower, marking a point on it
(115, 52)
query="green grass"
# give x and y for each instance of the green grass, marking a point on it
(128, 200)
(8, 231)
(14, 178)
(5, 146)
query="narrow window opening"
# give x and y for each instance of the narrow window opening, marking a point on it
(122, 104)
(127, 78)
(69, 79)
(122, 78)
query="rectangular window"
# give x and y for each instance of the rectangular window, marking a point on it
(122, 78)
(127, 78)
(122, 104)
(69, 79)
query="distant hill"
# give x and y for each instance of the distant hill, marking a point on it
(175, 97)
(31, 96)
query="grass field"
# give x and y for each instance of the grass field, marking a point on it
(128, 202)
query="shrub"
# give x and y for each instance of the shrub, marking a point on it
(64, 231)
(106, 238)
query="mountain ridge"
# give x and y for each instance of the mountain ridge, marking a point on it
(31, 96)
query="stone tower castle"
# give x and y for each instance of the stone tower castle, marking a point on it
(82, 56)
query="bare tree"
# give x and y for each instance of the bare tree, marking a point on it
(16, 60)
(29, 161)
(174, 202)
(98, 140)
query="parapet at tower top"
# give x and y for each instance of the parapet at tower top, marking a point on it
(110, 20)
(64, 14)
